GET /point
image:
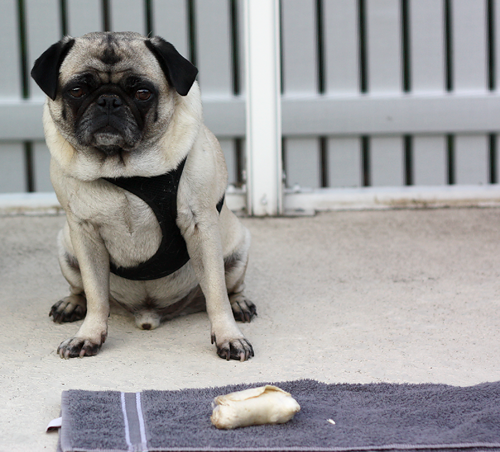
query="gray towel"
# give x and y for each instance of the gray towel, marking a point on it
(366, 417)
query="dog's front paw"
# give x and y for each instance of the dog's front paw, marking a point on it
(69, 309)
(243, 309)
(78, 347)
(239, 349)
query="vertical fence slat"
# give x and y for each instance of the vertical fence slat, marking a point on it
(342, 74)
(170, 21)
(471, 159)
(41, 167)
(469, 34)
(302, 153)
(213, 42)
(214, 49)
(303, 167)
(84, 16)
(470, 69)
(10, 56)
(344, 162)
(128, 15)
(384, 46)
(13, 168)
(299, 47)
(427, 41)
(41, 33)
(300, 76)
(430, 160)
(386, 161)
(341, 44)
(385, 77)
(427, 52)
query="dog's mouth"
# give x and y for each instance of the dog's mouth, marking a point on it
(108, 133)
(108, 140)
(110, 150)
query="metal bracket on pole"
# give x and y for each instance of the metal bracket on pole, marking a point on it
(263, 108)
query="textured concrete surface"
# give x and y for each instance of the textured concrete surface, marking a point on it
(395, 296)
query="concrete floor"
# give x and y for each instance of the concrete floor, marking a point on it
(370, 296)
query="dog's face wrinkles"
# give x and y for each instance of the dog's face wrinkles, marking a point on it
(109, 116)
(107, 105)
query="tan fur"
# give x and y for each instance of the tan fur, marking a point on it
(106, 223)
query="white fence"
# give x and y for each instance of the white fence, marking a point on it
(374, 93)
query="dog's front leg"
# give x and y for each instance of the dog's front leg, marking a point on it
(93, 260)
(205, 251)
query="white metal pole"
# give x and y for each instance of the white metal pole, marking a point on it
(263, 108)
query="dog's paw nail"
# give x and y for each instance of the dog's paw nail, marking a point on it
(238, 349)
(78, 348)
(243, 309)
(69, 309)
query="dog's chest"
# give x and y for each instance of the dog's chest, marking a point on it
(125, 223)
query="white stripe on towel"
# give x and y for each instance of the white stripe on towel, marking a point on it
(125, 420)
(144, 441)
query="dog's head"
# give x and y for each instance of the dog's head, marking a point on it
(112, 92)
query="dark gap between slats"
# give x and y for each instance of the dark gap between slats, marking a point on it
(235, 46)
(451, 159)
(448, 37)
(491, 46)
(282, 77)
(323, 150)
(240, 162)
(363, 78)
(493, 158)
(23, 57)
(365, 161)
(408, 159)
(28, 162)
(148, 12)
(193, 57)
(405, 47)
(320, 46)
(106, 15)
(63, 17)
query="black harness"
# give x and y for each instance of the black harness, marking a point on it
(160, 193)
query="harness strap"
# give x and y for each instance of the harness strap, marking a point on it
(160, 193)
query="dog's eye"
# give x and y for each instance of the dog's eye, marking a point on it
(77, 91)
(143, 94)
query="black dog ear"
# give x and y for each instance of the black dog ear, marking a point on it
(180, 73)
(45, 71)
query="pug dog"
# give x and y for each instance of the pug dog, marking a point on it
(142, 182)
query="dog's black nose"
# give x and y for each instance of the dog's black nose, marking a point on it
(109, 102)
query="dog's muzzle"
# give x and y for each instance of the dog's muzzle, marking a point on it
(109, 123)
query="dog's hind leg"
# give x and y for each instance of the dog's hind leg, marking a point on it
(235, 266)
(74, 306)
